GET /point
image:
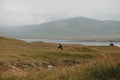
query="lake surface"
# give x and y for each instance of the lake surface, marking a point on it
(72, 42)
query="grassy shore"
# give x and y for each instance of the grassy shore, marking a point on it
(20, 60)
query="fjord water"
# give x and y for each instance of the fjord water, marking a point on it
(95, 43)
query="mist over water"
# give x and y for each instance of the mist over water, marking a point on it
(72, 42)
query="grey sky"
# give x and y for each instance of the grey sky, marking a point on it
(21, 12)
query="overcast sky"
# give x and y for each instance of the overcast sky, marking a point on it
(22, 12)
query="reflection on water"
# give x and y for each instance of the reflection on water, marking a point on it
(72, 42)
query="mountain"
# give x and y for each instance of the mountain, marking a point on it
(79, 27)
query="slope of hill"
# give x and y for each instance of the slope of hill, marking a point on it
(72, 28)
(33, 61)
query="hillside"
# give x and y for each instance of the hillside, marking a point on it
(20, 60)
(79, 27)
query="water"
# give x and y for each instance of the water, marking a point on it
(72, 42)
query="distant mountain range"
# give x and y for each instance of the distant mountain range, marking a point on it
(79, 27)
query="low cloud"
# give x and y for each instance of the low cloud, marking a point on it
(20, 12)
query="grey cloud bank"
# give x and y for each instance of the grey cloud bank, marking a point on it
(22, 12)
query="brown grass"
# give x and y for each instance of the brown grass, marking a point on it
(20, 60)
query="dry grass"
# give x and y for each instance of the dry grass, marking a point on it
(43, 61)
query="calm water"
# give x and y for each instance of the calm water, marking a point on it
(71, 42)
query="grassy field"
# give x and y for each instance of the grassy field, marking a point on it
(20, 60)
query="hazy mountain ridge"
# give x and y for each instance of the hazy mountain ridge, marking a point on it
(73, 27)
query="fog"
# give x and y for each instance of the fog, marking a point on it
(25, 12)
